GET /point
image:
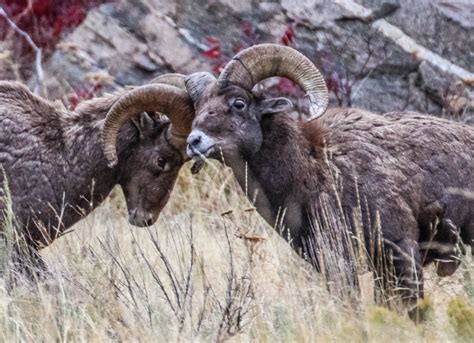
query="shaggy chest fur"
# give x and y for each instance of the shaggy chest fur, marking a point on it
(407, 169)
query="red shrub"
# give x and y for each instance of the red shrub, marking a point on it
(219, 58)
(289, 36)
(85, 91)
(46, 21)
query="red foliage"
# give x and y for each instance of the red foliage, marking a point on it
(46, 21)
(289, 36)
(212, 40)
(247, 28)
(288, 87)
(333, 82)
(249, 37)
(214, 52)
(217, 68)
(239, 46)
(218, 57)
(84, 92)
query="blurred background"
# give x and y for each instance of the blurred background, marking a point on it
(211, 269)
(382, 56)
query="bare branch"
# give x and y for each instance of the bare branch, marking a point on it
(38, 51)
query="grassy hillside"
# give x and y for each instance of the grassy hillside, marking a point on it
(210, 269)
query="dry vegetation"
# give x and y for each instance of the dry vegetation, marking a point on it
(210, 269)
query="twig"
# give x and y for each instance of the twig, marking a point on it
(38, 51)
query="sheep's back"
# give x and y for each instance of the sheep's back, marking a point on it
(403, 162)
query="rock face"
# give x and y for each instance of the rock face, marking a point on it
(409, 54)
(443, 26)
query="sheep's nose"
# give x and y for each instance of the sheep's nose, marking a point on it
(199, 144)
(194, 139)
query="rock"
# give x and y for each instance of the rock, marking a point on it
(134, 41)
(460, 11)
(240, 6)
(433, 81)
(7, 67)
(170, 45)
(433, 25)
(373, 94)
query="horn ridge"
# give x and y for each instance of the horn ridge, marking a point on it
(169, 100)
(260, 62)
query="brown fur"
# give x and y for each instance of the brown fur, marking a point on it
(406, 169)
(55, 168)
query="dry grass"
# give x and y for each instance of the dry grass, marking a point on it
(210, 269)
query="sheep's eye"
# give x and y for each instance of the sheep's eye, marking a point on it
(161, 162)
(239, 104)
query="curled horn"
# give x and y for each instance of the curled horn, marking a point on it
(164, 98)
(196, 82)
(172, 79)
(260, 62)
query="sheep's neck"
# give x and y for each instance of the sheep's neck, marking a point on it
(278, 175)
(87, 178)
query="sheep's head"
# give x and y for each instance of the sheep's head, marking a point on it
(229, 115)
(162, 113)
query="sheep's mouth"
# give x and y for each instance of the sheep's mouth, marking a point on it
(200, 158)
(197, 154)
(141, 222)
(139, 219)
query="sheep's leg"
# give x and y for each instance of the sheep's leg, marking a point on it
(450, 248)
(408, 270)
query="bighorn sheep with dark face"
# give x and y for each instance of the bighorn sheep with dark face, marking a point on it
(53, 159)
(404, 168)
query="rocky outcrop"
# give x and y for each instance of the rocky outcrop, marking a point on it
(408, 54)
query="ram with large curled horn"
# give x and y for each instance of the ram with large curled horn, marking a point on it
(340, 170)
(58, 171)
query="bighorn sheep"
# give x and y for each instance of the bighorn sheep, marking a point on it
(410, 170)
(53, 160)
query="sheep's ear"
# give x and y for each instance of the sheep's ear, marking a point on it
(145, 125)
(274, 105)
